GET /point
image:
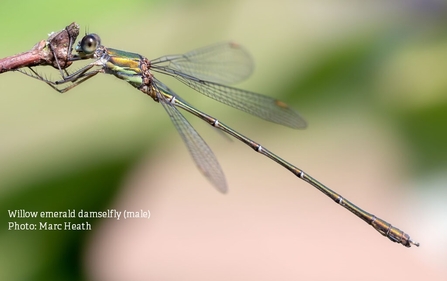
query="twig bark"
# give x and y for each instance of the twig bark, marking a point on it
(55, 51)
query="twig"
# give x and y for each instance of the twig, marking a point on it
(55, 51)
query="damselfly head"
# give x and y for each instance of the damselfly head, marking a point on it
(88, 45)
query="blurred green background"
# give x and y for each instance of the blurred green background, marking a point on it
(369, 77)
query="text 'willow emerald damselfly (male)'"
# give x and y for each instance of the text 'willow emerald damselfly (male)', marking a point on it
(206, 70)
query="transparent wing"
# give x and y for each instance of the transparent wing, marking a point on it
(206, 70)
(225, 63)
(264, 107)
(201, 153)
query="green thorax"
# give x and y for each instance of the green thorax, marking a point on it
(124, 65)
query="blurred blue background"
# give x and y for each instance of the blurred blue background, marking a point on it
(369, 77)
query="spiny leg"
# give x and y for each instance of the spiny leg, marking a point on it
(75, 79)
(62, 72)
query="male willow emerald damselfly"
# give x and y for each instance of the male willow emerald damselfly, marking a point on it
(205, 70)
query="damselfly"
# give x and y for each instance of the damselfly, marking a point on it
(206, 70)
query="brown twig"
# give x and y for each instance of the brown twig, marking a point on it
(55, 51)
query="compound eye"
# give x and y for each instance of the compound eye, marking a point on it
(89, 43)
